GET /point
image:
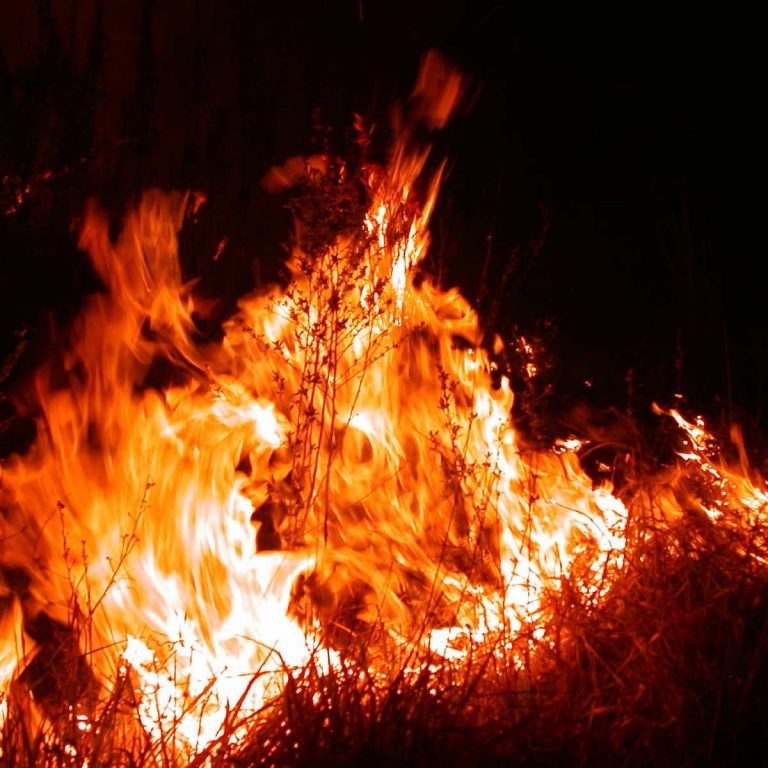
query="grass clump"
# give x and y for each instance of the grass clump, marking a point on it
(668, 668)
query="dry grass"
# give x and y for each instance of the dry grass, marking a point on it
(669, 669)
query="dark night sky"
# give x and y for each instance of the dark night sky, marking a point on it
(636, 141)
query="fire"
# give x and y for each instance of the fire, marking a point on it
(338, 469)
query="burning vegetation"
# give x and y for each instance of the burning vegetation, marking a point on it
(319, 538)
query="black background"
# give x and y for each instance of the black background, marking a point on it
(609, 168)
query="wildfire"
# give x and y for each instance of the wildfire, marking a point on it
(339, 472)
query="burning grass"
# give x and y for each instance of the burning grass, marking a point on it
(668, 667)
(320, 539)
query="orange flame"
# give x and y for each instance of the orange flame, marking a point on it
(337, 466)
